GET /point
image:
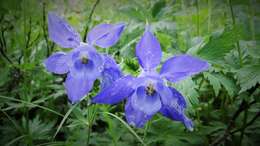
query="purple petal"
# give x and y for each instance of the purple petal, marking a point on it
(171, 97)
(119, 90)
(80, 69)
(77, 87)
(97, 32)
(109, 62)
(182, 66)
(92, 69)
(174, 106)
(109, 76)
(164, 92)
(61, 32)
(148, 104)
(105, 35)
(148, 51)
(173, 114)
(57, 63)
(135, 117)
(110, 73)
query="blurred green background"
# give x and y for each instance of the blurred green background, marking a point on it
(223, 102)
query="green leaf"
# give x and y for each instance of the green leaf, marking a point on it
(165, 40)
(157, 7)
(218, 46)
(131, 66)
(253, 49)
(214, 82)
(228, 84)
(4, 78)
(40, 130)
(133, 12)
(248, 77)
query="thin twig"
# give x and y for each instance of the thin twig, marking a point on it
(243, 127)
(198, 17)
(27, 42)
(44, 28)
(248, 124)
(29, 34)
(89, 19)
(209, 15)
(3, 47)
(3, 38)
(33, 41)
(243, 106)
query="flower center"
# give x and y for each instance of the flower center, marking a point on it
(84, 60)
(150, 89)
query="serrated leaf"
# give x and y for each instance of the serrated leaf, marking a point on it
(218, 46)
(253, 48)
(214, 82)
(40, 130)
(218, 80)
(228, 84)
(248, 77)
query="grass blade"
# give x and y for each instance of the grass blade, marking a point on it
(31, 104)
(127, 126)
(16, 139)
(64, 119)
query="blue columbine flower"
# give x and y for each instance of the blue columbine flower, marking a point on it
(148, 93)
(83, 64)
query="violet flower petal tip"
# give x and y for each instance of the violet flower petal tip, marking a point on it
(148, 51)
(179, 67)
(105, 35)
(61, 32)
(188, 124)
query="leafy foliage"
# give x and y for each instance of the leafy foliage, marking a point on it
(222, 102)
(248, 77)
(220, 44)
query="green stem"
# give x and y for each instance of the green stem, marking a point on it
(201, 82)
(244, 127)
(247, 124)
(234, 23)
(88, 135)
(209, 15)
(89, 19)
(44, 28)
(127, 126)
(107, 50)
(146, 129)
(92, 111)
(198, 18)
(252, 14)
